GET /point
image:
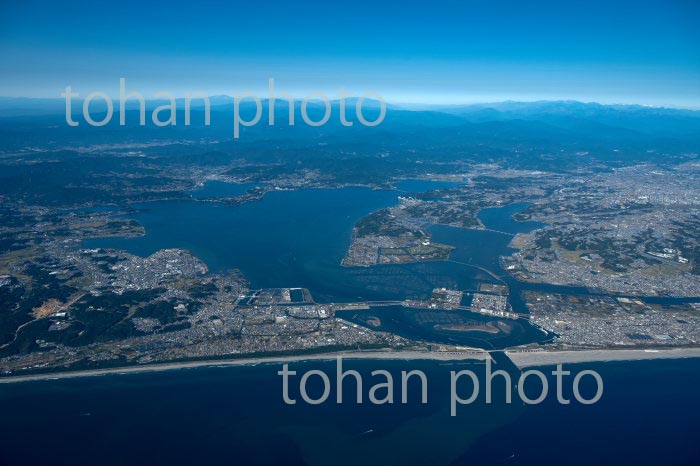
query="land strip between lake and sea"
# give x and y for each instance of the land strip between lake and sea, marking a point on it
(521, 359)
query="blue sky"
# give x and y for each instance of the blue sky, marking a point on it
(645, 52)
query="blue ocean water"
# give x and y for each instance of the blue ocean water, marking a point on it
(648, 415)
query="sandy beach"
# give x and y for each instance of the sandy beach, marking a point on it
(522, 359)
(379, 355)
(545, 358)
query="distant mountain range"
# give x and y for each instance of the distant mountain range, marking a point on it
(502, 124)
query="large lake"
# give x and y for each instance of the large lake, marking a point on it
(298, 239)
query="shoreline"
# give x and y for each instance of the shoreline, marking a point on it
(461, 355)
(521, 359)
(524, 359)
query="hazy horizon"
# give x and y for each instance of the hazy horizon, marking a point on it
(404, 105)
